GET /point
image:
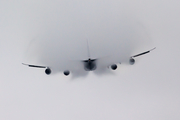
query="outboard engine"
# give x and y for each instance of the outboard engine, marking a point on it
(114, 67)
(48, 71)
(132, 61)
(66, 73)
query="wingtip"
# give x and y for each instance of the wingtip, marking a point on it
(153, 49)
(24, 64)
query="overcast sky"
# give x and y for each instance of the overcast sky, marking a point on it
(55, 33)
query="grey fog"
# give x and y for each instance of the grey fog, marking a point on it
(55, 33)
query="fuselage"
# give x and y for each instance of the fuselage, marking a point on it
(90, 64)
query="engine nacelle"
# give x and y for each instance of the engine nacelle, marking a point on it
(66, 73)
(48, 71)
(114, 67)
(131, 61)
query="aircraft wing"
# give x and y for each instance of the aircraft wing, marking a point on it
(35, 66)
(142, 53)
(47, 69)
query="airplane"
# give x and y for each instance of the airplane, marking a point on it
(89, 64)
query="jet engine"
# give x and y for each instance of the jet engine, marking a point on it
(48, 71)
(131, 61)
(66, 73)
(114, 67)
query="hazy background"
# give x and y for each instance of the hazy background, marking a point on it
(55, 33)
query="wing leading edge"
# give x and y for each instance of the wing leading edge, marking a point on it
(143, 53)
(132, 60)
(35, 66)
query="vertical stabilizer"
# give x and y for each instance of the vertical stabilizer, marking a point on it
(88, 49)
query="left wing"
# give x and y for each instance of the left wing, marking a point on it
(143, 53)
(132, 61)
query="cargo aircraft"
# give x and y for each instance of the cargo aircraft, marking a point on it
(89, 64)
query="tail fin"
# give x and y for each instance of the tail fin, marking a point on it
(88, 49)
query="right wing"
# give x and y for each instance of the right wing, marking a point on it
(35, 66)
(47, 70)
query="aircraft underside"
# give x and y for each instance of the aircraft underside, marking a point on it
(90, 64)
